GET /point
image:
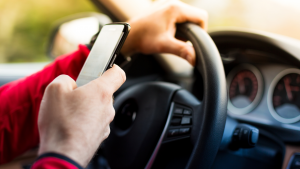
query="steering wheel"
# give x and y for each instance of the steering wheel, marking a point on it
(150, 116)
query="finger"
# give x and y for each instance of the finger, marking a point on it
(112, 79)
(179, 48)
(63, 83)
(193, 14)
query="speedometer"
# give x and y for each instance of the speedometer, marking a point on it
(244, 89)
(284, 96)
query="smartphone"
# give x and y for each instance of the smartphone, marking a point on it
(104, 51)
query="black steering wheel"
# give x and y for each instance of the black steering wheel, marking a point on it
(158, 117)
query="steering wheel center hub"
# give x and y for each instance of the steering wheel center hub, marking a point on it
(126, 115)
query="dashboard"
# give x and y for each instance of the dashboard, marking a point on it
(263, 80)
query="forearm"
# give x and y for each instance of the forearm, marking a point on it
(20, 102)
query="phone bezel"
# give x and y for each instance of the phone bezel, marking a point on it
(120, 44)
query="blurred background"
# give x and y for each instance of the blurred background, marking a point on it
(277, 16)
(25, 25)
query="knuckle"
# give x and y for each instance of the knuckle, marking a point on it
(106, 95)
(159, 48)
(161, 42)
(103, 91)
(63, 76)
(58, 85)
(172, 6)
(55, 86)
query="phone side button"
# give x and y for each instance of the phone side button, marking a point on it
(113, 60)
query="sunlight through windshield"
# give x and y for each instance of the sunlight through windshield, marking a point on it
(276, 16)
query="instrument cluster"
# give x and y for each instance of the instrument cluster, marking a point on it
(246, 89)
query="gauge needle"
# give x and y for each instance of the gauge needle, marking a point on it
(288, 88)
(241, 85)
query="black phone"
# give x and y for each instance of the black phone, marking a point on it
(104, 51)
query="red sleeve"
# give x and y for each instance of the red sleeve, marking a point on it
(52, 163)
(20, 102)
(55, 161)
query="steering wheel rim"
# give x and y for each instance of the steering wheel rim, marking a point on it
(208, 121)
(209, 64)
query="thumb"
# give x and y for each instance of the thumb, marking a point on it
(112, 79)
(179, 48)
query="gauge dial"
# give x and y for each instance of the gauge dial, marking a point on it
(286, 96)
(245, 88)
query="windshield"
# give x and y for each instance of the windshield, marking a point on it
(276, 16)
(25, 26)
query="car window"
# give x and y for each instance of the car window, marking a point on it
(25, 26)
(277, 16)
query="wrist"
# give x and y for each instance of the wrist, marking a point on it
(55, 159)
(66, 148)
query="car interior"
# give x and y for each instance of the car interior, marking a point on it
(239, 107)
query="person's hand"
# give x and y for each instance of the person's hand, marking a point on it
(74, 121)
(154, 31)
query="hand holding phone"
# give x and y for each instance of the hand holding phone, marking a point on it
(104, 52)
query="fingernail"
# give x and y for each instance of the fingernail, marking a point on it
(191, 55)
(190, 59)
(187, 57)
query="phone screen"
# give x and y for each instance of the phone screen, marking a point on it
(101, 53)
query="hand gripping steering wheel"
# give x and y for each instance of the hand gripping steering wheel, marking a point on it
(156, 119)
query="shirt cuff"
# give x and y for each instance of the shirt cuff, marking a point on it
(53, 161)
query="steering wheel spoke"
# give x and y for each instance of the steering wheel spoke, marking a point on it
(183, 109)
(179, 124)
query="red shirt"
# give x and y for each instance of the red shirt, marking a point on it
(20, 102)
